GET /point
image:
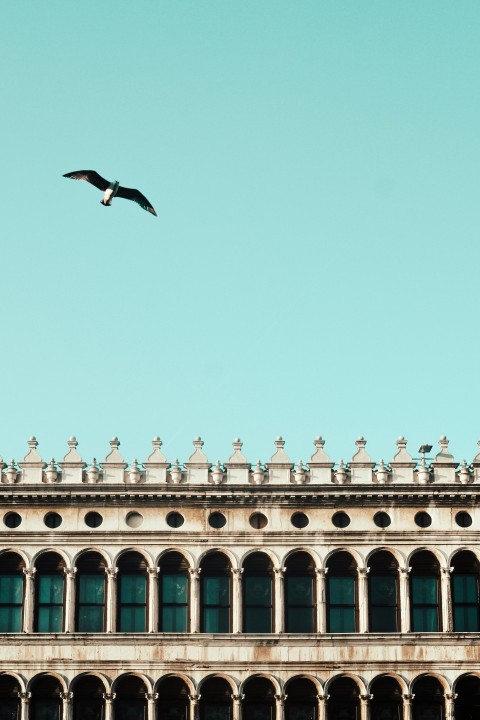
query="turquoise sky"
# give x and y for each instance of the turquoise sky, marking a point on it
(313, 269)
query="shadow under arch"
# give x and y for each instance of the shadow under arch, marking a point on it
(93, 549)
(308, 551)
(176, 549)
(134, 549)
(176, 675)
(133, 674)
(273, 557)
(232, 559)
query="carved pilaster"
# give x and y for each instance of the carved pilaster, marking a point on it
(29, 599)
(280, 700)
(151, 705)
(111, 574)
(445, 586)
(407, 706)
(194, 700)
(67, 698)
(362, 574)
(153, 599)
(450, 705)
(365, 707)
(321, 595)
(322, 706)
(404, 593)
(109, 699)
(70, 574)
(237, 706)
(24, 704)
(279, 602)
(194, 599)
(237, 604)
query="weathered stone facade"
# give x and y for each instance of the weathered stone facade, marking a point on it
(306, 591)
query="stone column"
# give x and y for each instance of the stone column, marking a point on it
(237, 601)
(450, 705)
(109, 698)
(237, 707)
(195, 600)
(407, 707)
(365, 707)
(152, 589)
(69, 625)
(67, 698)
(29, 599)
(151, 705)
(280, 699)
(24, 704)
(445, 589)
(362, 599)
(321, 598)
(193, 708)
(278, 601)
(322, 706)
(111, 599)
(404, 593)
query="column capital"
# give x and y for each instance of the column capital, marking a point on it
(451, 696)
(446, 571)
(363, 572)
(404, 571)
(151, 697)
(70, 572)
(323, 698)
(194, 699)
(279, 572)
(66, 696)
(109, 697)
(153, 572)
(321, 572)
(111, 572)
(366, 698)
(24, 696)
(238, 698)
(407, 698)
(237, 572)
(280, 699)
(194, 573)
(29, 572)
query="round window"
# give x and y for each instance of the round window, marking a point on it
(299, 520)
(258, 521)
(175, 520)
(341, 519)
(93, 519)
(12, 520)
(134, 519)
(52, 520)
(382, 519)
(217, 520)
(423, 519)
(463, 519)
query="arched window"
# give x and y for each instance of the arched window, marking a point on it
(215, 579)
(425, 592)
(383, 593)
(301, 702)
(11, 593)
(130, 698)
(257, 594)
(343, 701)
(49, 593)
(341, 593)
(172, 703)
(215, 699)
(88, 703)
(132, 593)
(46, 702)
(259, 700)
(299, 583)
(90, 593)
(387, 701)
(428, 702)
(173, 593)
(9, 697)
(465, 592)
(467, 703)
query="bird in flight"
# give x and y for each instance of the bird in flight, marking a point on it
(111, 189)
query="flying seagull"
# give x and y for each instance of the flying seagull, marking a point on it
(111, 190)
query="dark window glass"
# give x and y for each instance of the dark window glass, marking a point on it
(50, 591)
(46, 709)
(9, 709)
(172, 710)
(385, 710)
(427, 711)
(424, 596)
(87, 709)
(175, 520)
(341, 604)
(300, 604)
(93, 519)
(423, 519)
(465, 603)
(216, 604)
(217, 520)
(53, 520)
(91, 603)
(463, 519)
(299, 520)
(133, 603)
(257, 604)
(216, 711)
(258, 521)
(382, 519)
(258, 711)
(130, 709)
(12, 520)
(341, 520)
(382, 603)
(300, 711)
(341, 711)
(11, 601)
(174, 603)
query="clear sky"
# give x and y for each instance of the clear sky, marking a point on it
(313, 269)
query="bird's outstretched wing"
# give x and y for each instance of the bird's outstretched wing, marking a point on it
(89, 176)
(136, 196)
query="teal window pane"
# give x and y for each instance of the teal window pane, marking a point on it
(258, 620)
(424, 590)
(216, 711)
(425, 619)
(50, 619)
(11, 589)
(216, 591)
(383, 619)
(91, 589)
(465, 589)
(10, 621)
(258, 591)
(341, 590)
(133, 589)
(132, 619)
(341, 620)
(465, 619)
(174, 619)
(90, 619)
(50, 589)
(300, 620)
(174, 589)
(300, 591)
(216, 620)
(383, 590)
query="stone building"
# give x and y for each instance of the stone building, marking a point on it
(239, 591)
